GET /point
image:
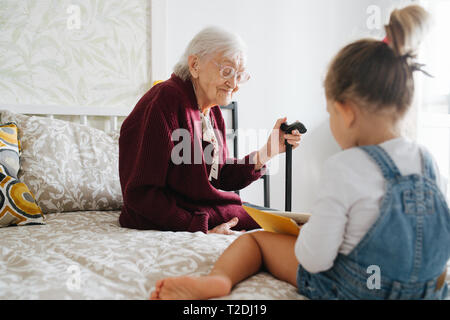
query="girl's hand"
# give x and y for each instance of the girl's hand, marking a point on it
(276, 144)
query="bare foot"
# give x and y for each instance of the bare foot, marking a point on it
(158, 285)
(191, 288)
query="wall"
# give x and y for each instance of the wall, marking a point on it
(74, 52)
(290, 44)
(119, 47)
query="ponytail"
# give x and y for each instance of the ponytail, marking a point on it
(379, 74)
(405, 32)
(406, 29)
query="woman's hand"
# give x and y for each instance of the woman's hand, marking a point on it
(225, 228)
(276, 144)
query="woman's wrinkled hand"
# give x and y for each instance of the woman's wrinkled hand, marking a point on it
(276, 143)
(225, 228)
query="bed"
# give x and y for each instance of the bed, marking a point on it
(87, 255)
(80, 251)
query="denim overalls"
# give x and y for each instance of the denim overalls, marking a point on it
(404, 251)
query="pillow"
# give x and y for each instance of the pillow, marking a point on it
(17, 204)
(68, 166)
(9, 149)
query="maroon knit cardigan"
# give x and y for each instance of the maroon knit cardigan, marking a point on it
(159, 194)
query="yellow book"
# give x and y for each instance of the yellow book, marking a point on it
(278, 221)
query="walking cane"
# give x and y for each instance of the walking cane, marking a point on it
(288, 187)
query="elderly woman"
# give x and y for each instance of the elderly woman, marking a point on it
(166, 187)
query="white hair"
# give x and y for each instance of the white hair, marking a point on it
(209, 41)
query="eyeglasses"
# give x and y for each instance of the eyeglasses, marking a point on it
(228, 72)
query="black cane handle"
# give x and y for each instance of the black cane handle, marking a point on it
(288, 128)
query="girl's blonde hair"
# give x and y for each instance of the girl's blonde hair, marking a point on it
(379, 74)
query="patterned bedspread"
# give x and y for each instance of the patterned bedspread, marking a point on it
(86, 255)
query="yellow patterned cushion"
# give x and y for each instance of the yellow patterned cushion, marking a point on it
(9, 149)
(17, 204)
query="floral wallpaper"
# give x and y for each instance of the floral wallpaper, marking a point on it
(74, 52)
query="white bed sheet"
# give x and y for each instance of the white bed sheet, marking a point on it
(87, 255)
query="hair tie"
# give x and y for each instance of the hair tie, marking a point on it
(386, 40)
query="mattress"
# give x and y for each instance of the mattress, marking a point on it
(87, 255)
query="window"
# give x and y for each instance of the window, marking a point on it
(434, 93)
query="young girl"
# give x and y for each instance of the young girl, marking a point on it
(380, 226)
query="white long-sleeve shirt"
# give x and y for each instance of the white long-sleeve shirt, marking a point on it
(348, 202)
